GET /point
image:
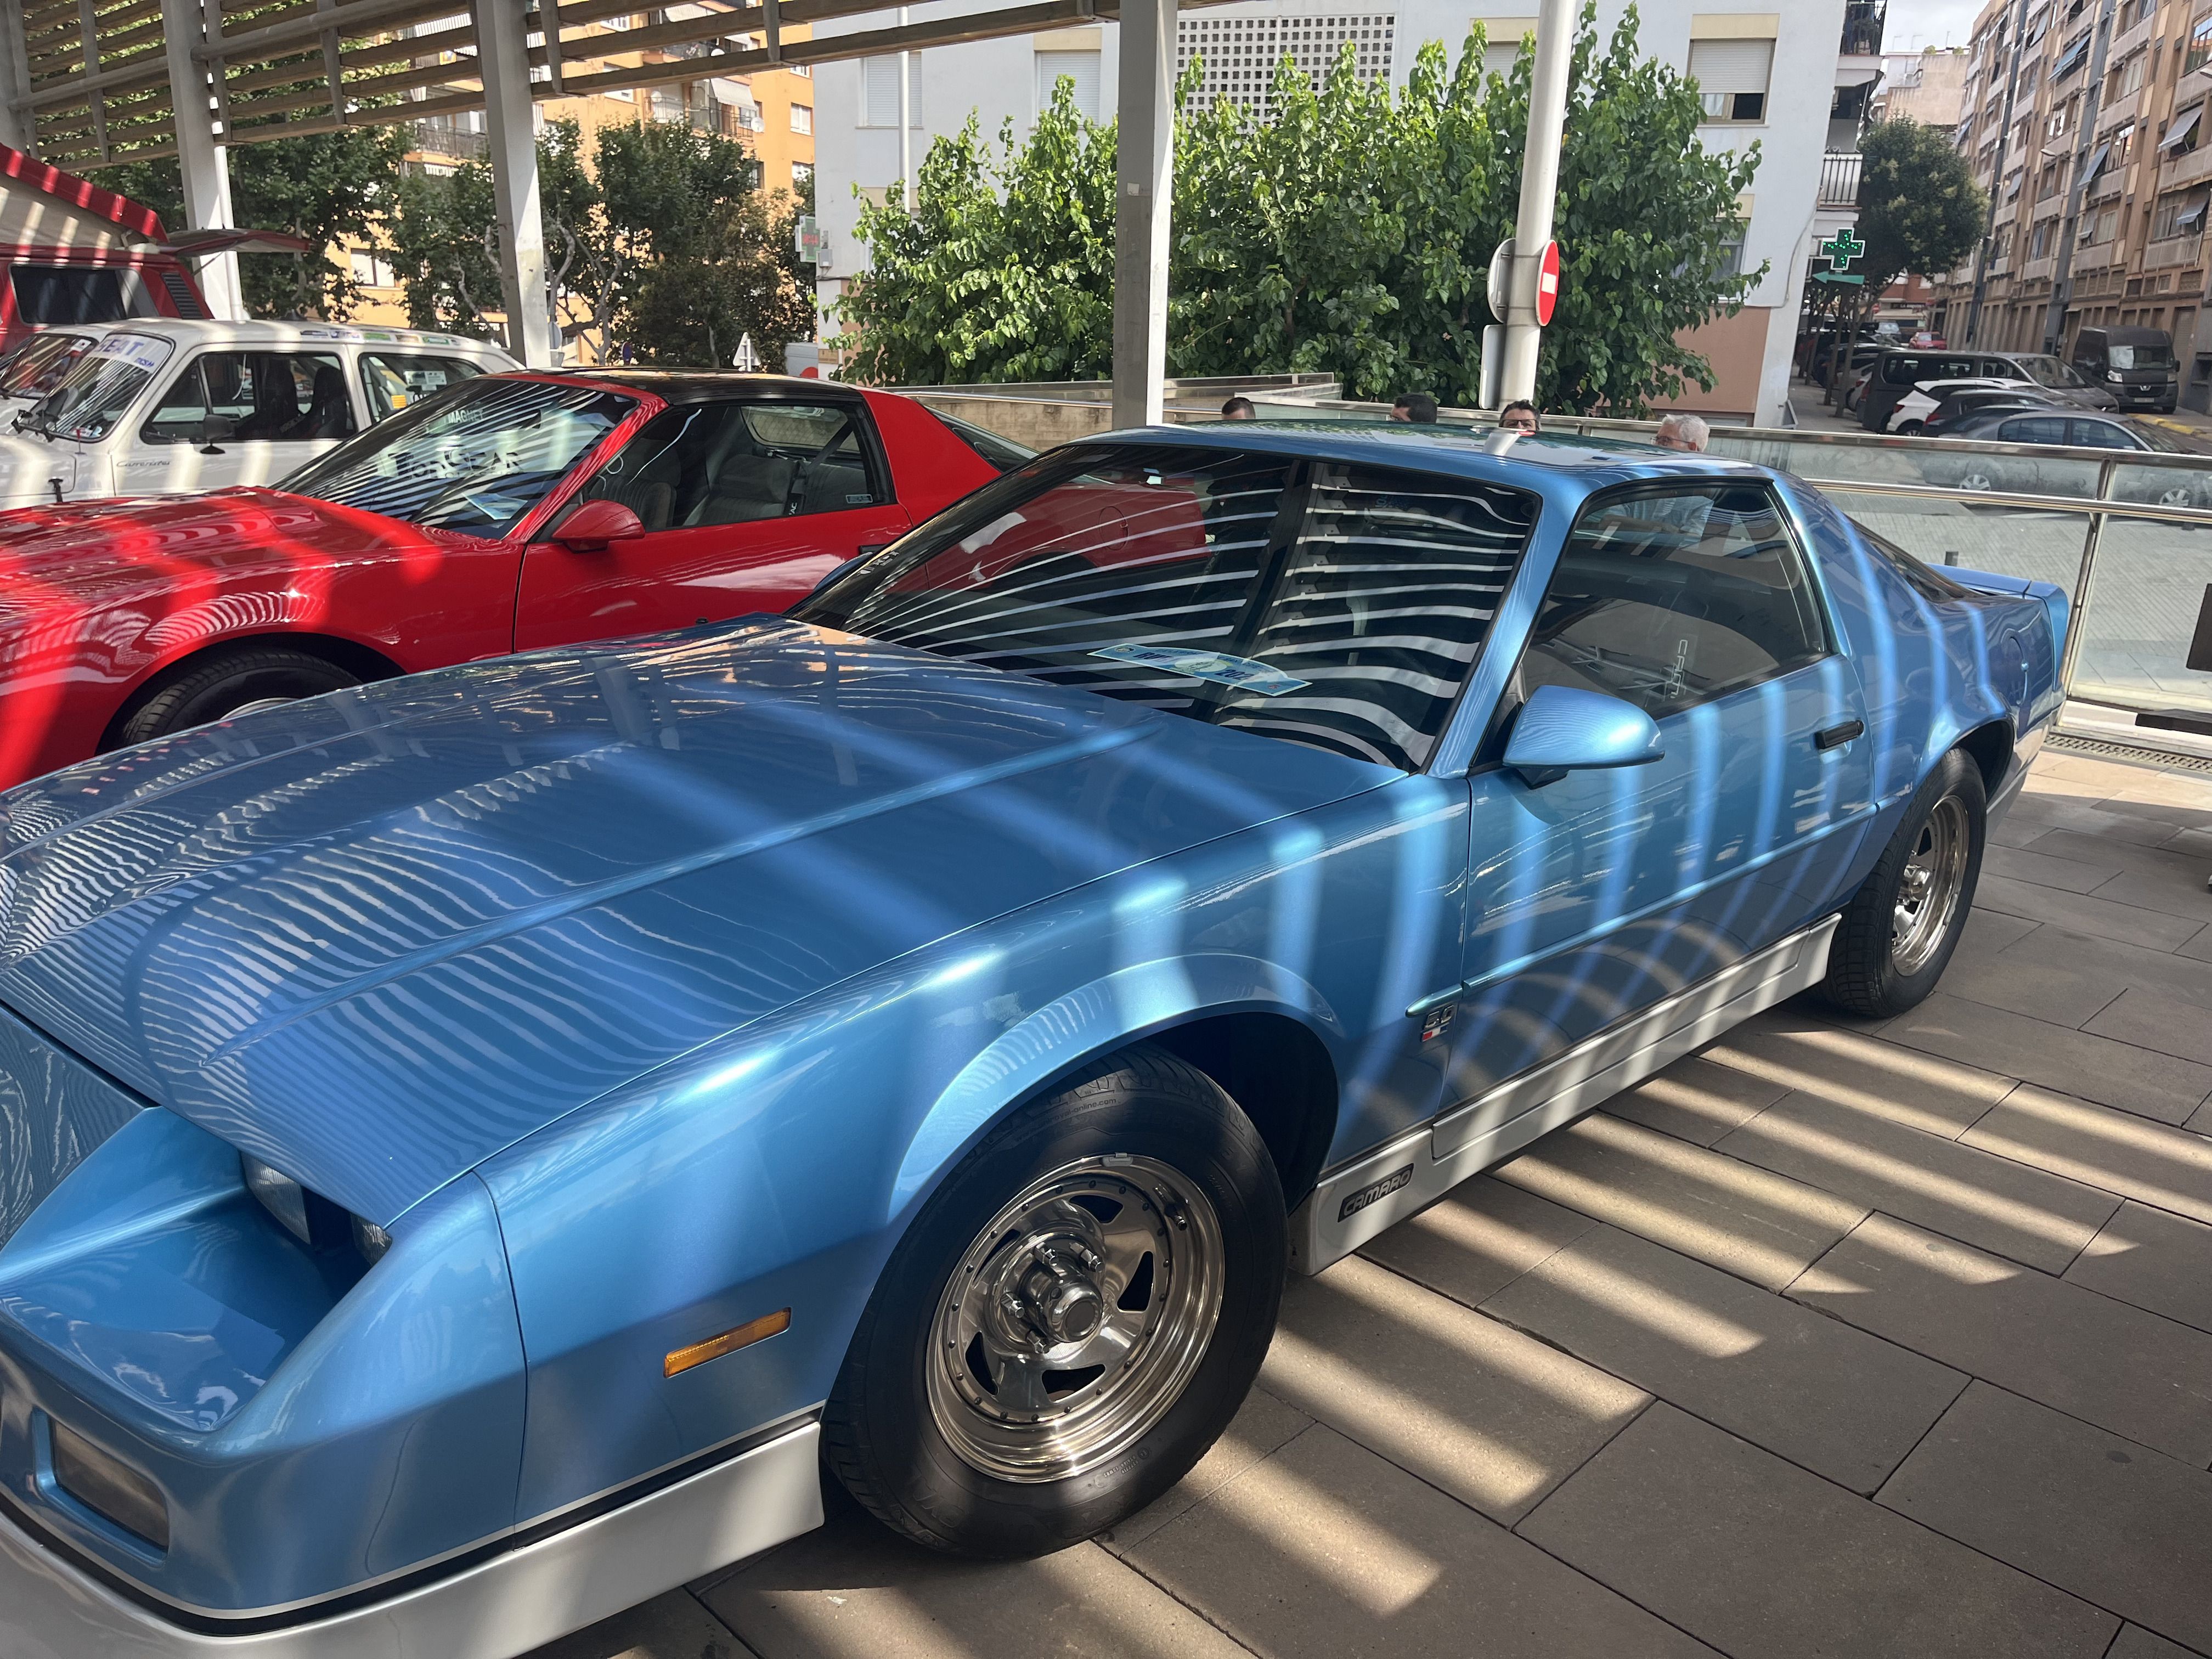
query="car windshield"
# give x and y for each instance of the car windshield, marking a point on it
(2050, 372)
(36, 367)
(473, 457)
(99, 388)
(2141, 357)
(1343, 613)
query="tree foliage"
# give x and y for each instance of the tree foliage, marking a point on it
(1351, 233)
(329, 187)
(1919, 208)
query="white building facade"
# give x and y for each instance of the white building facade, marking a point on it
(1769, 76)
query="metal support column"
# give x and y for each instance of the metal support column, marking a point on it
(1539, 189)
(201, 160)
(18, 130)
(1143, 196)
(503, 55)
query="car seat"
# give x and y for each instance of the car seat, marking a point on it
(330, 414)
(276, 401)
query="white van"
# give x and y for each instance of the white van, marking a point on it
(161, 405)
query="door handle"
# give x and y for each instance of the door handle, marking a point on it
(1835, 737)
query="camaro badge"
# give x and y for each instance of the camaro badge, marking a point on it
(1354, 1203)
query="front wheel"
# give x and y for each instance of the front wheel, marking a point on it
(1896, 934)
(226, 683)
(1071, 1322)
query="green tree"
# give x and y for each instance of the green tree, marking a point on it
(1919, 208)
(332, 188)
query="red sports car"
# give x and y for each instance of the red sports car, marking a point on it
(504, 513)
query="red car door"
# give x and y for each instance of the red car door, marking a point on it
(746, 503)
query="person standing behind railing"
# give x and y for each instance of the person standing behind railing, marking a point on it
(1687, 432)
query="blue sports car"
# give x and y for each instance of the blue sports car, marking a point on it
(480, 1149)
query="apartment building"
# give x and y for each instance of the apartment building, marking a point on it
(1929, 86)
(1752, 66)
(2140, 251)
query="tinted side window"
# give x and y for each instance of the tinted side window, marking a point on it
(394, 380)
(267, 397)
(1669, 600)
(2041, 429)
(2099, 435)
(733, 463)
(1901, 371)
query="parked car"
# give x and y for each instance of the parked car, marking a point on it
(35, 364)
(493, 1140)
(1909, 414)
(2136, 365)
(157, 408)
(2174, 486)
(1958, 405)
(501, 513)
(1894, 373)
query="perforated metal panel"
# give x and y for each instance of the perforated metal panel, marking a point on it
(1240, 53)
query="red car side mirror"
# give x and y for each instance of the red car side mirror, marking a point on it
(593, 524)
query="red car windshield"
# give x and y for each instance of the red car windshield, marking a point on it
(474, 457)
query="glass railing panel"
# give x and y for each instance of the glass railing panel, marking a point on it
(2030, 543)
(2181, 483)
(2027, 473)
(2146, 598)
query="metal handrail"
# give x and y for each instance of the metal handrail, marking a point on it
(2091, 504)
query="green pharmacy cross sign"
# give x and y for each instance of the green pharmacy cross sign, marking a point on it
(1840, 250)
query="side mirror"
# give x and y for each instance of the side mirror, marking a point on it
(595, 524)
(215, 430)
(1561, 730)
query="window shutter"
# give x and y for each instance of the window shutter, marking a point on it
(1080, 67)
(1722, 66)
(879, 91)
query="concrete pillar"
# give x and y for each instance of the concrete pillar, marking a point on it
(203, 161)
(17, 130)
(1144, 192)
(1539, 189)
(502, 54)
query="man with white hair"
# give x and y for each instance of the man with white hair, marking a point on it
(1684, 432)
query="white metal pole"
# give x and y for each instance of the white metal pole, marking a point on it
(200, 161)
(906, 124)
(1540, 186)
(18, 128)
(1143, 198)
(503, 59)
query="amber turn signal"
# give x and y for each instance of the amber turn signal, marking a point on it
(752, 1331)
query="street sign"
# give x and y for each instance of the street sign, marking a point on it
(806, 234)
(1548, 285)
(1837, 276)
(747, 359)
(1841, 249)
(1501, 277)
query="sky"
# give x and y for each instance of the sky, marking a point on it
(1913, 24)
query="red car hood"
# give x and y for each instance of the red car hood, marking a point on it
(169, 549)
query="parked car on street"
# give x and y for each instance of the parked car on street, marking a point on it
(2177, 486)
(501, 513)
(2135, 365)
(1894, 373)
(163, 408)
(486, 1146)
(1909, 416)
(1973, 400)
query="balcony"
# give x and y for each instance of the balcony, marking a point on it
(442, 138)
(1839, 180)
(2038, 271)
(2136, 34)
(2185, 169)
(2173, 252)
(1862, 21)
(2120, 110)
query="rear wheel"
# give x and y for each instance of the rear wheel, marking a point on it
(1899, 931)
(1911, 428)
(242, 680)
(1072, 1321)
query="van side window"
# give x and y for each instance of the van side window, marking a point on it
(394, 380)
(267, 396)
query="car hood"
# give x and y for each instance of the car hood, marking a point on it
(29, 465)
(374, 938)
(79, 557)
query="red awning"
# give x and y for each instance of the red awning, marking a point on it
(134, 218)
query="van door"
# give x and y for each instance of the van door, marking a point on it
(240, 417)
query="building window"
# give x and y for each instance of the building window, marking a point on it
(2200, 47)
(748, 116)
(1730, 263)
(800, 69)
(802, 117)
(2178, 215)
(2039, 243)
(879, 91)
(370, 270)
(1081, 68)
(1732, 74)
(802, 172)
(1239, 54)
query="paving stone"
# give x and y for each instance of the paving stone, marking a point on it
(1756, 1225)
(2197, 947)
(854, 1591)
(2078, 1507)
(1805, 1055)
(2097, 1069)
(1840, 1402)
(2167, 1168)
(1262, 1426)
(1326, 1551)
(2028, 1214)
(2043, 869)
(1487, 1414)
(2165, 856)
(1479, 1237)
(2086, 912)
(1696, 1099)
(2151, 1021)
(2091, 972)
(2016, 830)
(2197, 841)
(671, 1626)
(2138, 825)
(2154, 1260)
(1766, 1561)
(2023, 1330)
(2134, 1642)
(2176, 894)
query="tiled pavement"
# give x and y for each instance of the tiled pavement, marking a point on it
(1884, 1340)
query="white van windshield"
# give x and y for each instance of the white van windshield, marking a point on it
(96, 395)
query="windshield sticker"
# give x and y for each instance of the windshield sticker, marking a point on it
(136, 349)
(1220, 668)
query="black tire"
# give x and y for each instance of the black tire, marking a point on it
(1912, 429)
(217, 685)
(1874, 971)
(884, 1430)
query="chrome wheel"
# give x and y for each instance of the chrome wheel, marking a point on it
(1075, 1319)
(1976, 480)
(1928, 895)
